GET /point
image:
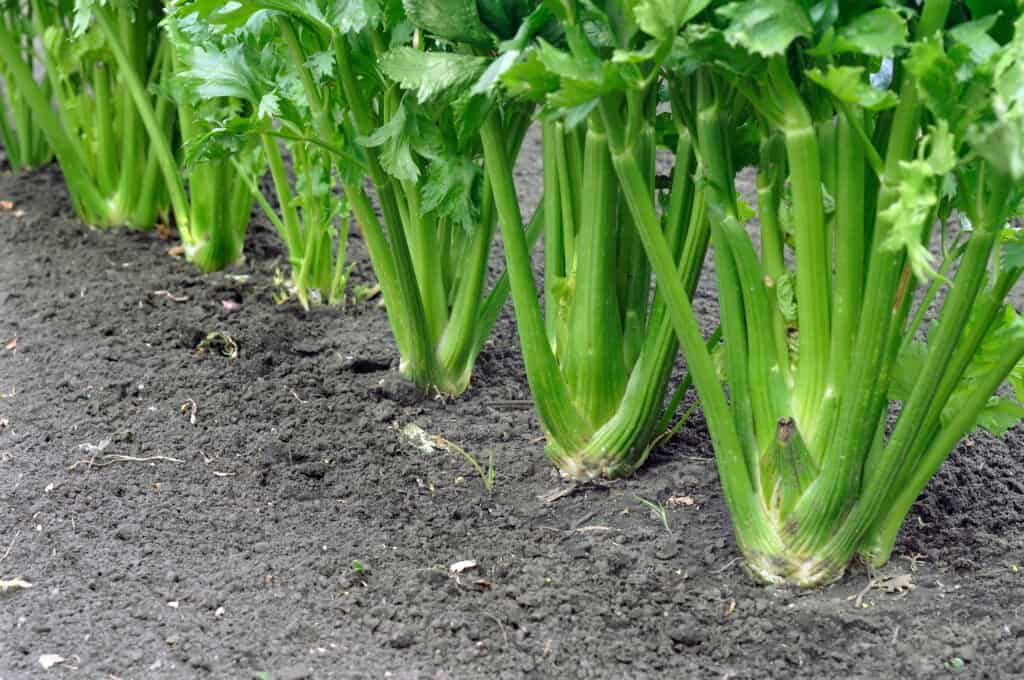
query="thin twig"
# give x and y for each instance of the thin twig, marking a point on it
(726, 566)
(10, 545)
(915, 559)
(586, 518)
(593, 527)
(105, 461)
(170, 296)
(858, 599)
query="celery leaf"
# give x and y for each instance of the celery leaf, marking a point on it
(848, 85)
(396, 149)
(662, 19)
(878, 33)
(432, 74)
(916, 197)
(529, 78)
(452, 20)
(1000, 413)
(766, 27)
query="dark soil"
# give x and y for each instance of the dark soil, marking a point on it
(289, 532)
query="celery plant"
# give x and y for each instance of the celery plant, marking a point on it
(856, 179)
(220, 186)
(86, 108)
(329, 76)
(313, 221)
(310, 217)
(599, 357)
(600, 360)
(22, 138)
(106, 110)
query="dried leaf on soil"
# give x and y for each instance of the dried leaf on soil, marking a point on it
(219, 340)
(418, 438)
(13, 584)
(190, 408)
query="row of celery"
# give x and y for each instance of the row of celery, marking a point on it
(849, 358)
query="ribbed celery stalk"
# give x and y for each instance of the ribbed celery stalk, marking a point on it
(600, 357)
(23, 139)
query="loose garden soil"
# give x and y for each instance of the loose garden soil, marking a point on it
(182, 513)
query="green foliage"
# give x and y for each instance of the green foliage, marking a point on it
(999, 134)
(876, 33)
(662, 19)
(1000, 413)
(765, 27)
(432, 74)
(24, 141)
(451, 20)
(395, 138)
(115, 178)
(849, 86)
(226, 73)
(917, 200)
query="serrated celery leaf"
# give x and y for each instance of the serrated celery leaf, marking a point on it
(662, 19)
(450, 188)
(432, 74)
(935, 75)
(223, 73)
(1012, 248)
(917, 192)
(766, 27)
(394, 140)
(916, 196)
(452, 20)
(529, 78)
(582, 79)
(1000, 415)
(877, 33)
(1000, 137)
(492, 75)
(974, 35)
(700, 44)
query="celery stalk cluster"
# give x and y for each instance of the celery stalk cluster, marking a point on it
(889, 144)
(105, 100)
